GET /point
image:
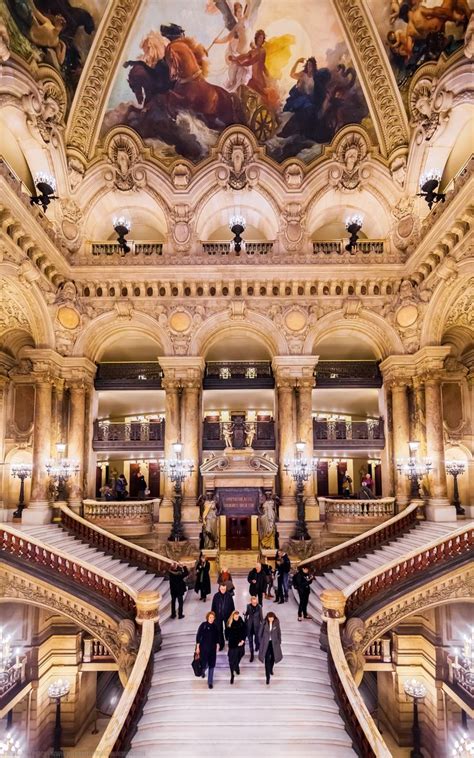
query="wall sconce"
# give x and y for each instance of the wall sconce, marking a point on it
(428, 183)
(237, 227)
(122, 226)
(46, 185)
(353, 226)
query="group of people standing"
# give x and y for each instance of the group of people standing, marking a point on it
(224, 622)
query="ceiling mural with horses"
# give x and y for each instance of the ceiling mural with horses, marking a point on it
(192, 68)
(419, 31)
(56, 32)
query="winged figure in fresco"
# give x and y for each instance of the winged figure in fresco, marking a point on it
(238, 22)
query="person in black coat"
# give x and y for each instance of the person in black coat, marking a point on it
(301, 581)
(207, 640)
(177, 575)
(257, 580)
(236, 632)
(203, 580)
(254, 620)
(222, 605)
(270, 644)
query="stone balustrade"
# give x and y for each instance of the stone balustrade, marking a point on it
(357, 510)
(334, 433)
(338, 247)
(379, 650)
(94, 651)
(122, 517)
(130, 435)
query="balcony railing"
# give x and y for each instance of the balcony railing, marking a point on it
(461, 677)
(357, 510)
(251, 248)
(136, 248)
(213, 437)
(238, 375)
(335, 433)
(348, 374)
(94, 651)
(129, 376)
(122, 517)
(379, 650)
(338, 247)
(130, 435)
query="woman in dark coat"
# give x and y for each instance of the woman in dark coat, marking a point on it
(236, 632)
(270, 644)
(207, 642)
(203, 580)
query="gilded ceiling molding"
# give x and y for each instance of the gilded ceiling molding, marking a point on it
(97, 78)
(376, 76)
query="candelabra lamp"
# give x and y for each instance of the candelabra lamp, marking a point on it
(60, 470)
(300, 469)
(57, 691)
(21, 471)
(10, 747)
(10, 666)
(429, 181)
(122, 227)
(46, 186)
(463, 666)
(456, 468)
(237, 227)
(416, 691)
(177, 469)
(414, 470)
(353, 226)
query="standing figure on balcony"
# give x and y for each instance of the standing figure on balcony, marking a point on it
(347, 486)
(266, 523)
(121, 487)
(210, 525)
(227, 433)
(250, 429)
(141, 487)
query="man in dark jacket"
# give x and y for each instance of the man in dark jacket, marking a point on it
(222, 606)
(254, 620)
(257, 580)
(301, 581)
(176, 575)
(283, 562)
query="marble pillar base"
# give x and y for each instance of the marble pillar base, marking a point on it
(439, 509)
(38, 512)
(468, 511)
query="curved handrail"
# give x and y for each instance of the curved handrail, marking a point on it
(457, 542)
(364, 542)
(450, 545)
(120, 728)
(22, 545)
(108, 542)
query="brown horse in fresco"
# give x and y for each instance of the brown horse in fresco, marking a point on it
(188, 67)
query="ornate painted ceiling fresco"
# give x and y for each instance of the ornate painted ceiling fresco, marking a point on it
(190, 69)
(57, 32)
(419, 31)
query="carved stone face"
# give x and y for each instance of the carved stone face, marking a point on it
(351, 158)
(123, 162)
(238, 158)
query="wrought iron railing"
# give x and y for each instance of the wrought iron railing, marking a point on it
(214, 434)
(348, 374)
(224, 248)
(338, 247)
(353, 510)
(121, 376)
(238, 374)
(335, 433)
(129, 435)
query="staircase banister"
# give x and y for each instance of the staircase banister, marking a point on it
(373, 579)
(332, 552)
(366, 731)
(149, 555)
(73, 560)
(130, 703)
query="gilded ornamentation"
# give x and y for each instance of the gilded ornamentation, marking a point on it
(181, 217)
(236, 154)
(351, 168)
(352, 637)
(181, 176)
(461, 312)
(4, 43)
(430, 109)
(126, 638)
(45, 111)
(12, 315)
(292, 218)
(124, 155)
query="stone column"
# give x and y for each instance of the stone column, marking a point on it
(304, 415)
(401, 437)
(286, 436)
(172, 430)
(439, 508)
(75, 447)
(3, 399)
(191, 436)
(38, 511)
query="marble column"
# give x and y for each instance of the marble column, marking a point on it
(286, 437)
(401, 437)
(439, 508)
(172, 428)
(304, 415)
(38, 511)
(191, 431)
(3, 399)
(57, 425)
(75, 447)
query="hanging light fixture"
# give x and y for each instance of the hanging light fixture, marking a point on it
(46, 186)
(429, 181)
(122, 226)
(237, 226)
(353, 226)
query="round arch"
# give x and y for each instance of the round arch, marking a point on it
(443, 299)
(30, 302)
(221, 325)
(368, 326)
(107, 327)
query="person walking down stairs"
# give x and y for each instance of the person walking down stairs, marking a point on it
(203, 581)
(254, 621)
(177, 575)
(302, 581)
(207, 642)
(257, 580)
(270, 644)
(236, 632)
(222, 605)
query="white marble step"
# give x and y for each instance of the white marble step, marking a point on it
(273, 746)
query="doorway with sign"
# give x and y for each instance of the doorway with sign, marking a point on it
(239, 535)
